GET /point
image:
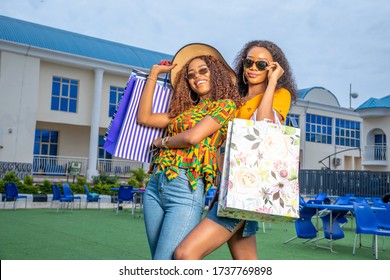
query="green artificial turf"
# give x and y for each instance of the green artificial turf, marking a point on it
(45, 234)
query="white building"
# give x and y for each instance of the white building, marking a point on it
(58, 91)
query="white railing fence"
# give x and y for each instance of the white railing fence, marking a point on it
(60, 166)
(374, 152)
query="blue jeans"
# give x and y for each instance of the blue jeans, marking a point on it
(171, 210)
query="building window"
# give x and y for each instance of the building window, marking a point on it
(292, 120)
(380, 147)
(115, 98)
(64, 94)
(318, 129)
(46, 142)
(347, 133)
(102, 153)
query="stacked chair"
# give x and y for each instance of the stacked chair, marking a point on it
(304, 226)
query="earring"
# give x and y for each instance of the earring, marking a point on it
(244, 78)
(192, 100)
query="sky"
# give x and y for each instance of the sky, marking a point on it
(329, 43)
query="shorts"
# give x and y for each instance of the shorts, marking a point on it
(250, 227)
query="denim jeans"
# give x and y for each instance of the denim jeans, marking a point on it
(250, 227)
(171, 210)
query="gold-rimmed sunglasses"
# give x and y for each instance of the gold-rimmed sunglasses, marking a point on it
(202, 71)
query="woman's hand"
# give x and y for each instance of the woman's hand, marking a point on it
(165, 62)
(164, 66)
(275, 71)
(158, 142)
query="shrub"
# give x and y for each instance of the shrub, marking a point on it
(104, 188)
(139, 178)
(81, 181)
(29, 189)
(11, 177)
(2, 188)
(105, 179)
(45, 187)
(28, 180)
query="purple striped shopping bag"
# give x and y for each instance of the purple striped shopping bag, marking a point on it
(115, 126)
(133, 140)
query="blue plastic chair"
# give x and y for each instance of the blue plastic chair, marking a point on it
(321, 198)
(57, 196)
(343, 200)
(210, 195)
(336, 232)
(11, 192)
(69, 194)
(125, 193)
(304, 227)
(341, 216)
(91, 197)
(378, 202)
(366, 223)
(383, 217)
(332, 225)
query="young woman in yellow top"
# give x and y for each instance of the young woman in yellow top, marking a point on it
(266, 83)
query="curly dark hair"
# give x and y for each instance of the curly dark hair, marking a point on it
(222, 86)
(286, 81)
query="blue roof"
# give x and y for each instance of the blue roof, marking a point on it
(376, 103)
(45, 37)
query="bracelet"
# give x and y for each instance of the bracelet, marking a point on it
(164, 142)
(150, 78)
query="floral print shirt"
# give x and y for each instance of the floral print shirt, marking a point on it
(200, 159)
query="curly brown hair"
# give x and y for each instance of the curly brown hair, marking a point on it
(286, 81)
(222, 86)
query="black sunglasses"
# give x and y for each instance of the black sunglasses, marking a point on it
(260, 65)
(202, 71)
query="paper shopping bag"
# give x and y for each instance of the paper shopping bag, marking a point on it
(131, 140)
(260, 173)
(114, 129)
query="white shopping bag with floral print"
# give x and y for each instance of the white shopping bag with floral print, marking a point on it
(260, 173)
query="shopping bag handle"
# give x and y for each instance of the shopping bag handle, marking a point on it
(139, 74)
(166, 80)
(276, 118)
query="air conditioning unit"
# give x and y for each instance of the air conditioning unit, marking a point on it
(337, 161)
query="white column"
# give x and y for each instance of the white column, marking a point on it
(94, 135)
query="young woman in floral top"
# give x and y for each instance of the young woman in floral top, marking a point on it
(205, 98)
(266, 83)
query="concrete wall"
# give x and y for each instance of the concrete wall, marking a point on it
(19, 98)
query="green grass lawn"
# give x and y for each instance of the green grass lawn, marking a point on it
(44, 234)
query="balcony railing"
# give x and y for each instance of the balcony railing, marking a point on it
(60, 166)
(116, 167)
(57, 166)
(375, 153)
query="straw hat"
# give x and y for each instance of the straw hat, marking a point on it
(190, 51)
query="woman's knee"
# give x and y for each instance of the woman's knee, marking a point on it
(182, 252)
